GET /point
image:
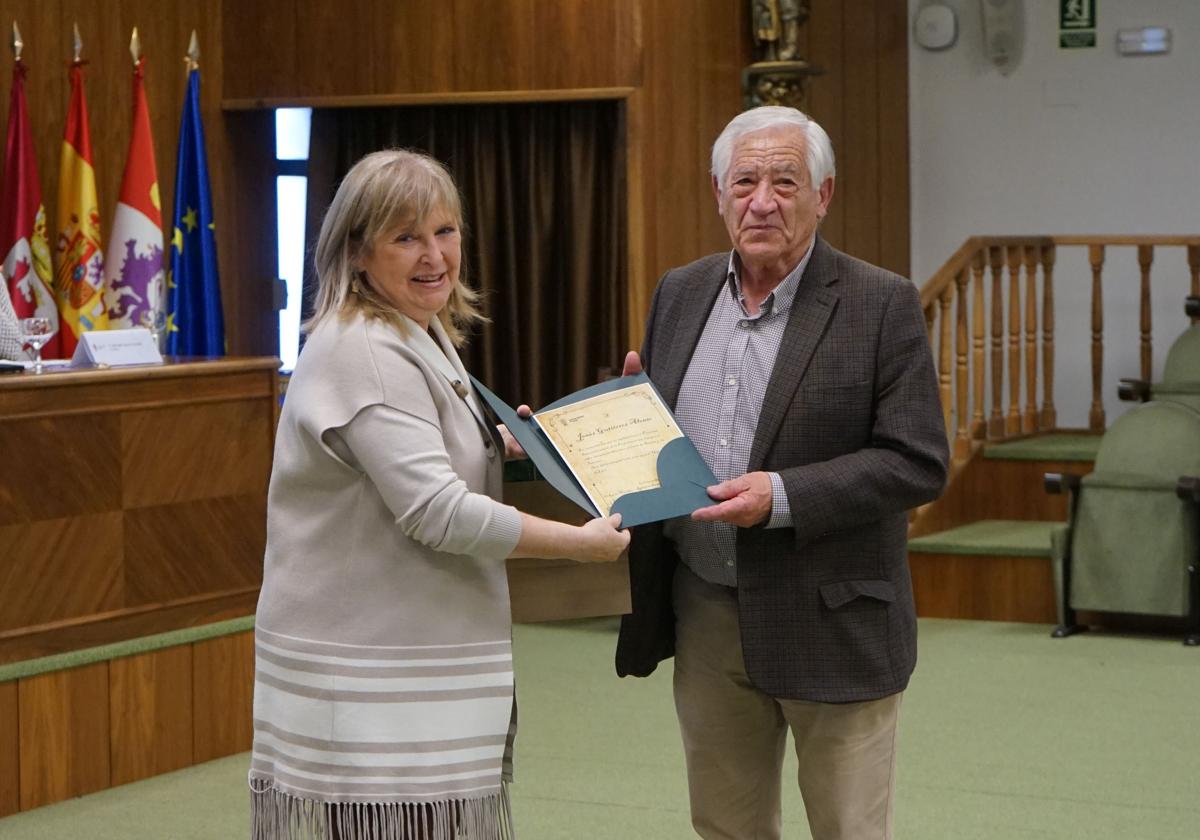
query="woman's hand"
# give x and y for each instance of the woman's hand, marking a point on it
(602, 541)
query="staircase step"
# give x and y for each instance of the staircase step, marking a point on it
(989, 537)
(1051, 447)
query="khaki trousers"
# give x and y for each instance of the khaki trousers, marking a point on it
(734, 736)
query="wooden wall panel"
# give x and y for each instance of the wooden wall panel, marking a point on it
(60, 568)
(380, 47)
(223, 682)
(10, 801)
(892, 50)
(983, 588)
(150, 713)
(64, 734)
(185, 453)
(57, 467)
(191, 548)
(825, 97)
(859, 169)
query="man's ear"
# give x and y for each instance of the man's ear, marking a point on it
(717, 193)
(826, 195)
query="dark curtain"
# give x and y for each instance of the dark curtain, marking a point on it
(544, 240)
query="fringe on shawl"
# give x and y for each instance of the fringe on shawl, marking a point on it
(275, 815)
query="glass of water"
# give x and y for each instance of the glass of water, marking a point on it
(35, 332)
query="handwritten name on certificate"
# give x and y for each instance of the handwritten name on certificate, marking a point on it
(611, 442)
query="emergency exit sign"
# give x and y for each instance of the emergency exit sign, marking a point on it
(1076, 24)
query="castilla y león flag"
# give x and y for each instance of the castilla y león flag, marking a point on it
(133, 272)
(80, 271)
(23, 242)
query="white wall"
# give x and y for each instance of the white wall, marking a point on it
(1071, 141)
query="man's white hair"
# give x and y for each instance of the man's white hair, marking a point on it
(818, 151)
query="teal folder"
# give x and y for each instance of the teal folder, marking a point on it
(682, 474)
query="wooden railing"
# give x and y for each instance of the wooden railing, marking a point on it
(961, 317)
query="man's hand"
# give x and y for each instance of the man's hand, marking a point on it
(633, 364)
(745, 501)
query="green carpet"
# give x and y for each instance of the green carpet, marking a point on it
(1051, 447)
(1006, 734)
(1003, 537)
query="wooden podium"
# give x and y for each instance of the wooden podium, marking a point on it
(132, 500)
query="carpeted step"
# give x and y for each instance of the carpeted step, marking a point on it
(1050, 447)
(990, 537)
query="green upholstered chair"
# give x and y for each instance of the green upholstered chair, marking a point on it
(1181, 371)
(1132, 540)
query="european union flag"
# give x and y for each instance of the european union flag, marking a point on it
(195, 326)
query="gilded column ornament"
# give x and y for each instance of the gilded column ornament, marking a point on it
(778, 73)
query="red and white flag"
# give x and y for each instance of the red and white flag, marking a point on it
(24, 244)
(133, 272)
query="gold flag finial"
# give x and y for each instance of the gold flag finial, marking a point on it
(135, 46)
(193, 54)
(17, 43)
(78, 44)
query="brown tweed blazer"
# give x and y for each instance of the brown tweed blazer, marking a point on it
(852, 423)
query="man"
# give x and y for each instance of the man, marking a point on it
(804, 378)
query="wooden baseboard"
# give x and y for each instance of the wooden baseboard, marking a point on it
(122, 625)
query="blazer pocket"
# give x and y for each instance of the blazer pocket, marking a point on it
(844, 591)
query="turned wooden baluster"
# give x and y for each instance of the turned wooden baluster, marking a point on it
(1145, 258)
(1049, 414)
(1012, 420)
(1029, 420)
(1096, 414)
(978, 424)
(962, 439)
(995, 419)
(930, 315)
(944, 360)
(1193, 258)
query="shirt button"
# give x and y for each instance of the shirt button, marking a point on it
(724, 442)
(732, 380)
(728, 562)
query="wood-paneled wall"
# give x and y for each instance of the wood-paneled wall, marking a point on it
(71, 732)
(681, 58)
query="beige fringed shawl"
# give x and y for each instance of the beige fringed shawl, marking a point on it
(383, 703)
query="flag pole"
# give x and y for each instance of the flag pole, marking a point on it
(78, 46)
(192, 59)
(17, 44)
(135, 47)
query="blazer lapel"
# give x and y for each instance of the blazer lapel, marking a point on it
(812, 308)
(689, 314)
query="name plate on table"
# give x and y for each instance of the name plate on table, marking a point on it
(116, 348)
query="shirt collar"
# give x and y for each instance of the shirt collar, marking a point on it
(779, 301)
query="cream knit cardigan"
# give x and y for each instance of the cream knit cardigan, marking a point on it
(383, 703)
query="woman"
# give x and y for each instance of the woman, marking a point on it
(383, 704)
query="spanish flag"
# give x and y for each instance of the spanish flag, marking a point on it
(80, 272)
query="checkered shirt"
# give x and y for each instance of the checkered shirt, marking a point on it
(718, 406)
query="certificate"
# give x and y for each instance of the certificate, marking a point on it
(611, 442)
(613, 448)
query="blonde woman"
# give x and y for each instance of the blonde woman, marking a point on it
(384, 703)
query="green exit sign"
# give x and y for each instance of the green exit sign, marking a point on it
(1076, 23)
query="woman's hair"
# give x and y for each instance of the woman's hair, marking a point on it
(818, 151)
(381, 191)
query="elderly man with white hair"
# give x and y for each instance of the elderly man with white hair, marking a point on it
(805, 379)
